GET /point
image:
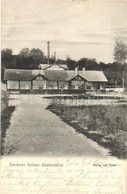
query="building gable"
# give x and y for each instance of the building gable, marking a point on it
(76, 78)
(55, 67)
(40, 77)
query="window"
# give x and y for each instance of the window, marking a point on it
(77, 84)
(39, 84)
(88, 85)
(52, 85)
(12, 85)
(25, 85)
(63, 85)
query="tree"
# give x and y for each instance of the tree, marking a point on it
(37, 56)
(125, 74)
(6, 58)
(89, 64)
(24, 52)
(70, 63)
(23, 59)
(60, 61)
(120, 52)
(120, 55)
(30, 59)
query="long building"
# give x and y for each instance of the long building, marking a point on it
(54, 79)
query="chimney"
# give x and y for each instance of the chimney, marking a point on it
(83, 70)
(76, 70)
(48, 51)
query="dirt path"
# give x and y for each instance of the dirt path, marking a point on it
(36, 131)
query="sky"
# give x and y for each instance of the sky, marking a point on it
(75, 28)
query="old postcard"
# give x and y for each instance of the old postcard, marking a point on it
(64, 97)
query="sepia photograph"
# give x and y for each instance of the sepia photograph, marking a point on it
(64, 82)
(64, 78)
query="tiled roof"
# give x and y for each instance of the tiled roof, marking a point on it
(21, 75)
(53, 75)
(56, 75)
(96, 76)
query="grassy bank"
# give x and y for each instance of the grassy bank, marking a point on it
(105, 124)
(6, 112)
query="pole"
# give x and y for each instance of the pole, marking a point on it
(48, 51)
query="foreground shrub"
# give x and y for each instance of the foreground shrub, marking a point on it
(107, 124)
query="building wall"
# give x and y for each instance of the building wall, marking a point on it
(77, 85)
(25, 85)
(54, 85)
(39, 84)
(88, 85)
(98, 86)
(13, 85)
(63, 85)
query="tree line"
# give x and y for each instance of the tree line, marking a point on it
(31, 59)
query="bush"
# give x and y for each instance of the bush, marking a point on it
(4, 95)
(107, 122)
